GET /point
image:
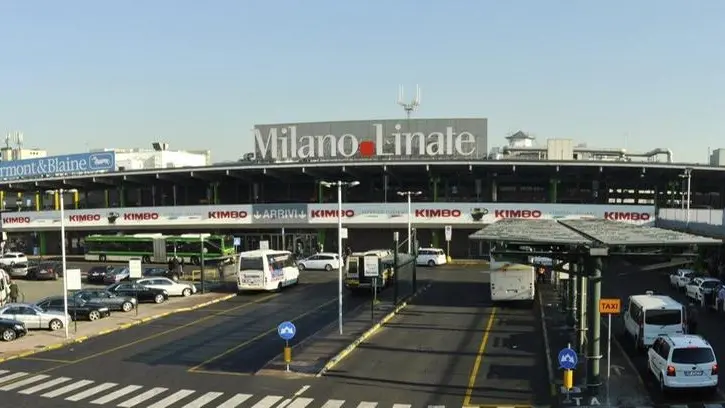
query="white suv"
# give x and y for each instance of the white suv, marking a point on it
(13, 258)
(431, 257)
(683, 361)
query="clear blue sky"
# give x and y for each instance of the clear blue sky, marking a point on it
(81, 74)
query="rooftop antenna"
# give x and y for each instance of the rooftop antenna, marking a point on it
(20, 140)
(413, 105)
(8, 140)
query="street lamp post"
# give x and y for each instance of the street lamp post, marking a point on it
(61, 192)
(339, 185)
(687, 175)
(410, 194)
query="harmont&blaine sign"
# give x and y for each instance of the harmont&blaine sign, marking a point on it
(279, 213)
(371, 139)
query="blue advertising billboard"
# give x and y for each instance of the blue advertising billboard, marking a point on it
(72, 164)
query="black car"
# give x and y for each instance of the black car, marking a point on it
(48, 270)
(153, 272)
(140, 292)
(112, 300)
(97, 273)
(12, 329)
(77, 308)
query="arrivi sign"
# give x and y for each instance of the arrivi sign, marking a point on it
(288, 143)
(360, 215)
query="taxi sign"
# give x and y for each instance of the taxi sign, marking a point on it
(610, 306)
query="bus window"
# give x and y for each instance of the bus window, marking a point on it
(254, 264)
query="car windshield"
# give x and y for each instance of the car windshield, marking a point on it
(710, 284)
(254, 264)
(663, 317)
(693, 355)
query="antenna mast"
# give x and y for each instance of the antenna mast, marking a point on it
(409, 108)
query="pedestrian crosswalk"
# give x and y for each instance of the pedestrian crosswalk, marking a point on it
(100, 394)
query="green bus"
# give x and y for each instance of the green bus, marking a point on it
(103, 248)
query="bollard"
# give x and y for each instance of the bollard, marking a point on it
(287, 356)
(568, 379)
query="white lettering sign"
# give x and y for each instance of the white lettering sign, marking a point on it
(286, 143)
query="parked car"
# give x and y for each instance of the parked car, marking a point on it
(12, 329)
(698, 288)
(97, 274)
(112, 300)
(13, 258)
(684, 362)
(171, 287)
(431, 257)
(323, 260)
(46, 271)
(34, 317)
(140, 292)
(77, 308)
(153, 272)
(117, 274)
(681, 278)
(18, 270)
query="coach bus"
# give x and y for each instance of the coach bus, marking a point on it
(187, 247)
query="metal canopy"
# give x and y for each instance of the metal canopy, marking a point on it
(530, 231)
(619, 233)
(585, 232)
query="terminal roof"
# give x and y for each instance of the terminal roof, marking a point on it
(530, 231)
(620, 233)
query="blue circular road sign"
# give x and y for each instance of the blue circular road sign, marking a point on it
(286, 330)
(568, 359)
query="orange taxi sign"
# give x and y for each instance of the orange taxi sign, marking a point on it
(610, 306)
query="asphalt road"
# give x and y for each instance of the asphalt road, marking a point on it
(623, 281)
(449, 347)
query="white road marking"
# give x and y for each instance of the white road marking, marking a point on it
(408, 406)
(11, 377)
(68, 388)
(300, 403)
(142, 397)
(44, 386)
(173, 398)
(235, 401)
(284, 403)
(24, 382)
(116, 394)
(267, 402)
(203, 400)
(91, 392)
(366, 404)
(333, 404)
(302, 390)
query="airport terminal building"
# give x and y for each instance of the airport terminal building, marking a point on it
(275, 193)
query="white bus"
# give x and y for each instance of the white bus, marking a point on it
(265, 269)
(512, 283)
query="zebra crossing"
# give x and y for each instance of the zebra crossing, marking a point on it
(139, 396)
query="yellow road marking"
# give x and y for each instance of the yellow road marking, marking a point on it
(479, 358)
(221, 373)
(255, 338)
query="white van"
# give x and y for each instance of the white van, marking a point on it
(265, 269)
(512, 283)
(431, 257)
(649, 316)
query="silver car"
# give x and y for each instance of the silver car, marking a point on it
(34, 317)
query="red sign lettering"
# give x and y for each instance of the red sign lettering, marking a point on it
(442, 213)
(227, 215)
(141, 216)
(16, 220)
(331, 213)
(84, 218)
(530, 214)
(626, 216)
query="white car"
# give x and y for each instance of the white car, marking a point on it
(681, 278)
(324, 260)
(699, 287)
(171, 287)
(431, 257)
(13, 258)
(683, 361)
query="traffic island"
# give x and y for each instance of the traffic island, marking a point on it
(623, 388)
(320, 352)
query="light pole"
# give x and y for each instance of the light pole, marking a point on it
(61, 192)
(410, 194)
(339, 184)
(687, 175)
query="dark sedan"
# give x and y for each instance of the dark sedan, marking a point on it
(45, 271)
(77, 308)
(154, 272)
(98, 273)
(112, 300)
(140, 292)
(12, 329)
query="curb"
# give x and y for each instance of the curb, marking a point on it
(549, 361)
(369, 332)
(469, 262)
(115, 329)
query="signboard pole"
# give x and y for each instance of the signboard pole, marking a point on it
(202, 263)
(372, 301)
(609, 353)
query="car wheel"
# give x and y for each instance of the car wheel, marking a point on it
(127, 306)
(94, 315)
(663, 387)
(55, 325)
(431, 263)
(9, 335)
(159, 299)
(301, 267)
(328, 267)
(146, 259)
(195, 260)
(186, 292)
(279, 287)
(102, 258)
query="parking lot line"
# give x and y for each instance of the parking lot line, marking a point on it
(479, 359)
(48, 360)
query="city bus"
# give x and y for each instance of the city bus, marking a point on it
(103, 248)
